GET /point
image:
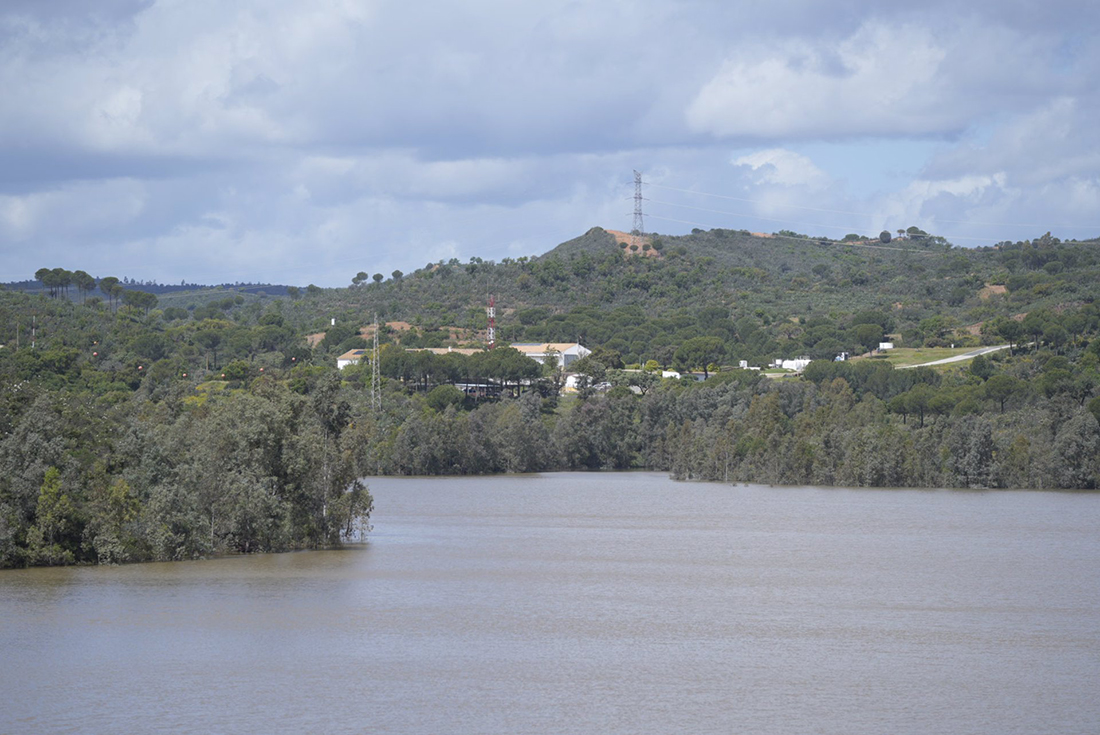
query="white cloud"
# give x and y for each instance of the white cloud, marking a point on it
(783, 167)
(966, 186)
(114, 122)
(963, 195)
(72, 211)
(404, 174)
(884, 79)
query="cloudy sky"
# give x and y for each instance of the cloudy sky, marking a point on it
(302, 142)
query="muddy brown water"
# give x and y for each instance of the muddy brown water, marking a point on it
(590, 603)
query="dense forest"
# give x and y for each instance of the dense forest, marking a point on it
(138, 426)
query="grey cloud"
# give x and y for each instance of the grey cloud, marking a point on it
(884, 79)
(44, 167)
(308, 136)
(55, 9)
(1057, 140)
(488, 82)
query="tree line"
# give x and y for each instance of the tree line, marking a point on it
(58, 280)
(165, 478)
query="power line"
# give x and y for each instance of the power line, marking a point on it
(867, 214)
(803, 239)
(753, 216)
(789, 222)
(753, 201)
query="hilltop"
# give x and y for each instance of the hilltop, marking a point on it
(597, 241)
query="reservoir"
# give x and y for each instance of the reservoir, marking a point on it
(590, 603)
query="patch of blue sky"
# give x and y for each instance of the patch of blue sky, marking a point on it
(867, 168)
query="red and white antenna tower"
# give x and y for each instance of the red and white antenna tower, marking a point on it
(492, 312)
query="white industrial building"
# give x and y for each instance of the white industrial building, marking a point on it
(566, 353)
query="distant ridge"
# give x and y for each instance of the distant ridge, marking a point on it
(32, 286)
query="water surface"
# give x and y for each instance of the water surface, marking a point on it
(590, 603)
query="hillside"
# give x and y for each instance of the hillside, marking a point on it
(765, 297)
(788, 294)
(135, 430)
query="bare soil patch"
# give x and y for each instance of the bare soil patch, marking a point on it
(625, 237)
(991, 289)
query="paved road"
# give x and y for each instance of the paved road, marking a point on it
(959, 358)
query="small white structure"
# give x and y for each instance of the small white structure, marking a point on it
(842, 357)
(573, 385)
(566, 353)
(447, 350)
(798, 364)
(886, 345)
(743, 364)
(670, 374)
(351, 357)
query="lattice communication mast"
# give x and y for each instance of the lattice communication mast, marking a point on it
(638, 229)
(375, 378)
(492, 313)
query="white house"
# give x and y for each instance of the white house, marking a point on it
(798, 364)
(566, 353)
(351, 357)
(886, 345)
